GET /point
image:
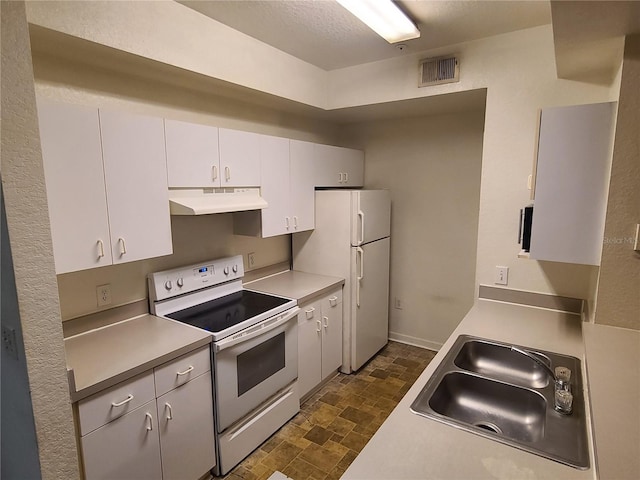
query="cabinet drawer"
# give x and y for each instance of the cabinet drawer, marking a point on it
(334, 298)
(103, 407)
(181, 370)
(310, 312)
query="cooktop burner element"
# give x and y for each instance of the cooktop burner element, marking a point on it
(219, 314)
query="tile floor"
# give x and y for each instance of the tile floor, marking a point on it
(336, 422)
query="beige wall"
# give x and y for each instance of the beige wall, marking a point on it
(431, 165)
(618, 301)
(31, 247)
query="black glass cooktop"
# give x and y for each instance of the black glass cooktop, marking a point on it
(222, 313)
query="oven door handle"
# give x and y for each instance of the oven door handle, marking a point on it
(256, 331)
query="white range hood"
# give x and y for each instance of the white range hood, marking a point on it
(204, 201)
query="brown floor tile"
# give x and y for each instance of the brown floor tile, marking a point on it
(341, 426)
(324, 414)
(321, 458)
(355, 441)
(356, 416)
(300, 469)
(283, 454)
(318, 435)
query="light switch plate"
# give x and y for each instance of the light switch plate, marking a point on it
(502, 275)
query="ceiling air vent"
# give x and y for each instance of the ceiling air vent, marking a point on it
(435, 71)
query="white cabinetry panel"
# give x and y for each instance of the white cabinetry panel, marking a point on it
(302, 185)
(572, 183)
(338, 166)
(72, 156)
(275, 182)
(125, 448)
(136, 180)
(239, 158)
(185, 417)
(319, 341)
(192, 154)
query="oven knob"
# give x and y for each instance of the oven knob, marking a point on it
(235, 269)
(226, 270)
(180, 282)
(168, 285)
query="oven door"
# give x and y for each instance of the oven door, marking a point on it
(253, 365)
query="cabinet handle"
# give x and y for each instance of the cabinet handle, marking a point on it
(346, 177)
(286, 221)
(214, 172)
(295, 222)
(309, 313)
(227, 173)
(325, 321)
(319, 329)
(186, 371)
(123, 246)
(100, 249)
(126, 400)
(167, 407)
(333, 301)
(149, 421)
(340, 180)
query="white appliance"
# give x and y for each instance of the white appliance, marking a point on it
(255, 349)
(352, 240)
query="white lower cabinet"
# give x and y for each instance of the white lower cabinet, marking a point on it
(168, 437)
(319, 341)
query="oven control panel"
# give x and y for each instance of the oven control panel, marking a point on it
(177, 281)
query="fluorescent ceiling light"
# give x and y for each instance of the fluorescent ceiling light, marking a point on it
(384, 18)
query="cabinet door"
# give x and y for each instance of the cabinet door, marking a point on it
(192, 154)
(239, 158)
(338, 166)
(136, 183)
(302, 185)
(309, 347)
(331, 333)
(274, 161)
(185, 416)
(572, 183)
(72, 156)
(128, 447)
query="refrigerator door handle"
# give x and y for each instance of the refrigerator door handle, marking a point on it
(360, 254)
(361, 217)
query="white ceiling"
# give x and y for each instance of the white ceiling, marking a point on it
(325, 34)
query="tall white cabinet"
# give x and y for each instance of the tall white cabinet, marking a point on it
(106, 185)
(572, 183)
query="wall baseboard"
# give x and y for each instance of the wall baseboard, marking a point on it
(415, 341)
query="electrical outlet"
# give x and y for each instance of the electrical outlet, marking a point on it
(397, 303)
(9, 341)
(103, 294)
(251, 260)
(502, 276)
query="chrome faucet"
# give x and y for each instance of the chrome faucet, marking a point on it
(561, 380)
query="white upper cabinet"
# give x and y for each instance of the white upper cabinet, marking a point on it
(106, 186)
(572, 183)
(338, 166)
(193, 160)
(136, 180)
(301, 188)
(287, 184)
(239, 158)
(72, 155)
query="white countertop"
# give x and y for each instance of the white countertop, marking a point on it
(105, 356)
(408, 446)
(293, 284)
(613, 369)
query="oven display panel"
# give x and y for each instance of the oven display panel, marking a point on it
(222, 313)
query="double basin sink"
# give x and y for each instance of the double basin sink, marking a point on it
(485, 387)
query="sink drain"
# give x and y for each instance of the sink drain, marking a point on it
(488, 426)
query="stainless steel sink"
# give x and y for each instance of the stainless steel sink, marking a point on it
(484, 387)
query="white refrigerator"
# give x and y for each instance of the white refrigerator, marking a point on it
(351, 240)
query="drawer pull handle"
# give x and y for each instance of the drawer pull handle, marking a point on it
(149, 422)
(100, 249)
(167, 407)
(126, 400)
(325, 322)
(186, 371)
